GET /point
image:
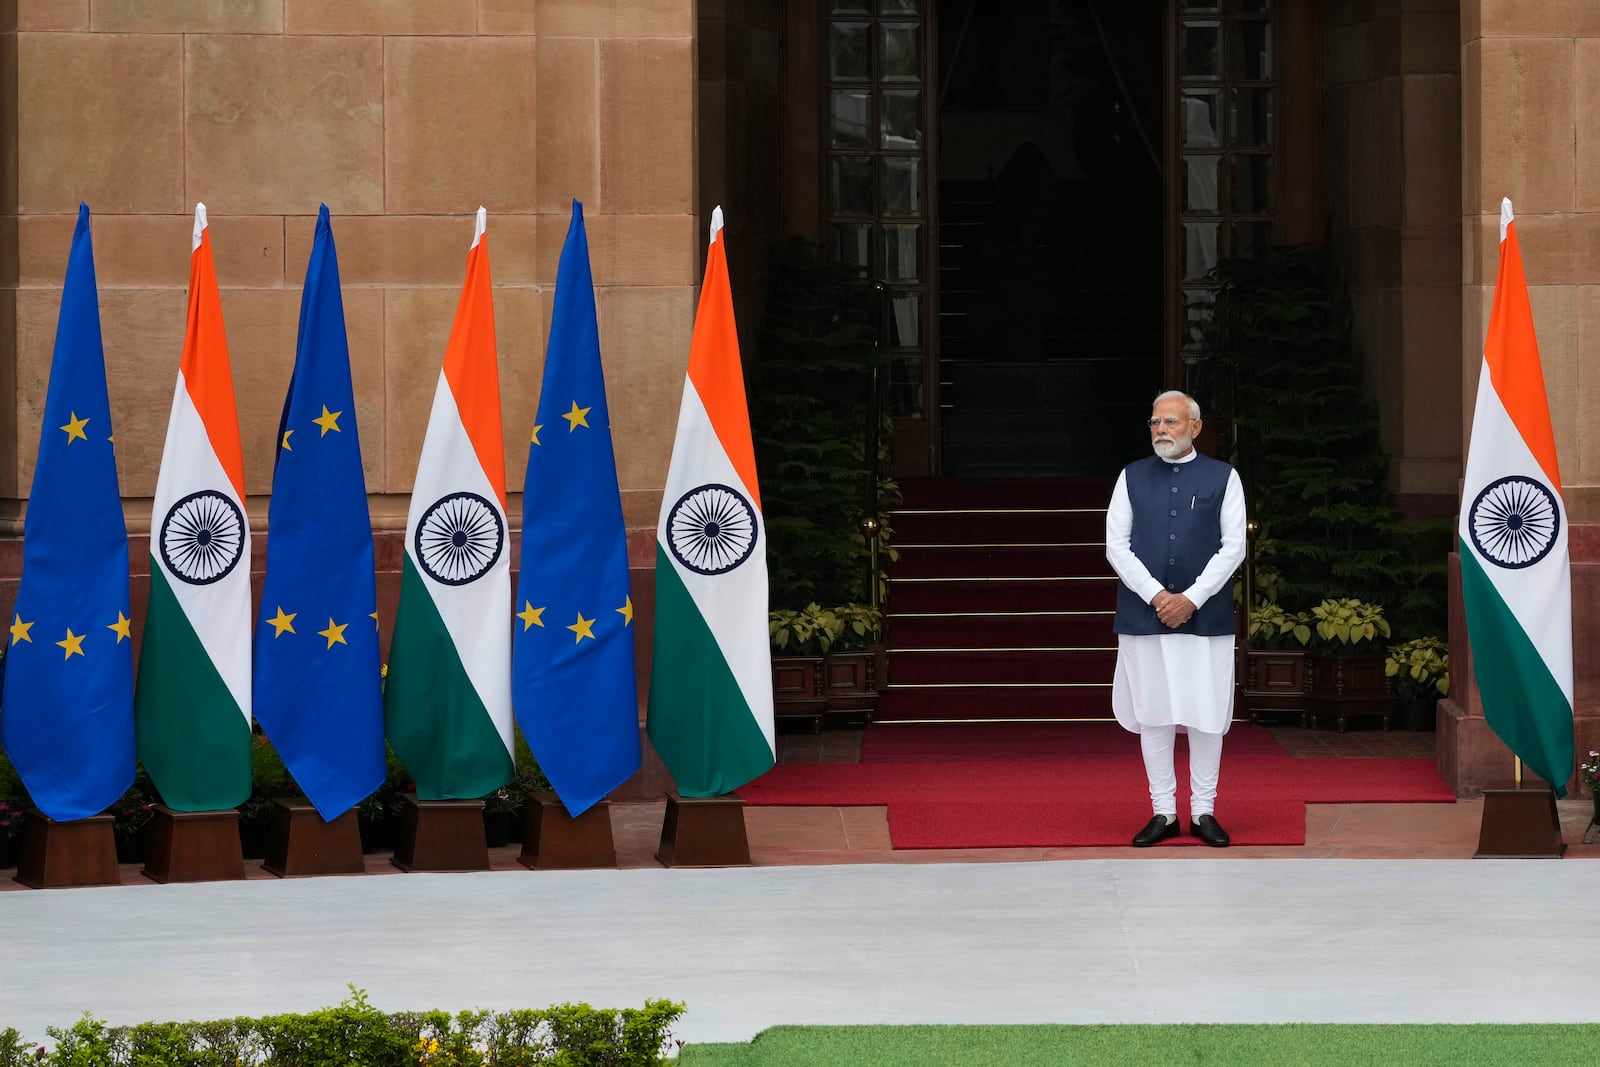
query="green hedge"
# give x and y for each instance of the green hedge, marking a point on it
(568, 1035)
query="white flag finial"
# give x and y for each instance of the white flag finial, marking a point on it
(716, 222)
(199, 224)
(1505, 215)
(480, 226)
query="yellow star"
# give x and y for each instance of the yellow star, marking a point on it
(576, 417)
(530, 615)
(626, 611)
(536, 430)
(74, 429)
(334, 633)
(122, 627)
(286, 446)
(73, 644)
(583, 628)
(281, 623)
(374, 618)
(329, 421)
(19, 631)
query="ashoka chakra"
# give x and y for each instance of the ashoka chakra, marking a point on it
(1514, 522)
(712, 529)
(459, 538)
(202, 537)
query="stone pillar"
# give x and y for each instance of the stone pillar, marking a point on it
(1391, 107)
(403, 118)
(1530, 74)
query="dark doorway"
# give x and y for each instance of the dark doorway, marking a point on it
(1050, 233)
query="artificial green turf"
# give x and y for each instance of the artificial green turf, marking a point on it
(1089, 1046)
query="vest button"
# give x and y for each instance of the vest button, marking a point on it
(1172, 563)
(1174, 489)
(1174, 514)
(1172, 537)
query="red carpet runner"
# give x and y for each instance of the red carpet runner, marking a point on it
(1057, 785)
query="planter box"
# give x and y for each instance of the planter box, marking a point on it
(797, 695)
(1349, 687)
(850, 684)
(1276, 681)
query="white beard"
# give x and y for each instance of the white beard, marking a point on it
(1173, 447)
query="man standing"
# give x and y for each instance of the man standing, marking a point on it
(1175, 534)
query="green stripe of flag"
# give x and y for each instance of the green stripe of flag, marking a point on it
(433, 715)
(700, 721)
(1522, 701)
(191, 736)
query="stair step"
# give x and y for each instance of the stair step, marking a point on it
(1002, 594)
(988, 561)
(1004, 493)
(901, 703)
(999, 629)
(952, 526)
(1002, 667)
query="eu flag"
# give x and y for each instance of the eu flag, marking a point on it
(67, 722)
(572, 682)
(317, 691)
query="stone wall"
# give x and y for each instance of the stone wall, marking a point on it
(1391, 106)
(1530, 78)
(403, 117)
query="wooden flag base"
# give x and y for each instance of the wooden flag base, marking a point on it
(302, 844)
(704, 832)
(441, 835)
(195, 846)
(1520, 823)
(554, 840)
(59, 855)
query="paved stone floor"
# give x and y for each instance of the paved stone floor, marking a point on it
(833, 925)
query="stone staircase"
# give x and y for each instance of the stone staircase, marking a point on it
(1000, 604)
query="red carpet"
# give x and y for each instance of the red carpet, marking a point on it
(1076, 784)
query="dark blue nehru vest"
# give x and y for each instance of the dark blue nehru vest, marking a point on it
(1177, 528)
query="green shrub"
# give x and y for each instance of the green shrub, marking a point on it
(355, 1032)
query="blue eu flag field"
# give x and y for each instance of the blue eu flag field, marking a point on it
(67, 722)
(572, 680)
(317, 691)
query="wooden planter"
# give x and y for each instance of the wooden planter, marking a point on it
(1276, 681)
(798, 701)
(850, 684)
(1349, 687)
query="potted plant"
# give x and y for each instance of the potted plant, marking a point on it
(525, 784)
(131, 818)
(10, 832)
(14, 801)
(1420, 670)
(1275, 675)
(854, 666)
(500, 807)
(269, 780)
(1589, 775)
(378, 815)
(799, 639)
(1347, 662)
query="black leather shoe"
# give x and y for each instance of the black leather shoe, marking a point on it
(1206, 828)
(1158, 829)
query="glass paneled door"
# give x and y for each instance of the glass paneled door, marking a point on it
(877, 165)
(1043, 188)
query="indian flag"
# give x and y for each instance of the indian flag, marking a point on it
(1515, 578)
(710, 714)
(447, 702)
(192, 700)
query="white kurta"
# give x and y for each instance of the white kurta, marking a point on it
(1183, 680)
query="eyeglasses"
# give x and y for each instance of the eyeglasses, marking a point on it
(1169, 422)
